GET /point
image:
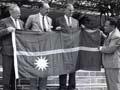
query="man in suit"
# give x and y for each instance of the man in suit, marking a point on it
(8, 25)
(67, 24)
(111, 55)
(42, 23)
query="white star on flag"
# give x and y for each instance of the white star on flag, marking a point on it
(41, 63)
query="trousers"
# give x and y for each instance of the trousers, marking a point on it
(38, 83)
(113, 78)
(71, 81)
(8, 72)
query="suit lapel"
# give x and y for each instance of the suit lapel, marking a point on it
(21, 24)
(48, 22)
(72, 22)
(107, 41)
(63, 20)
(65, 23)
(11, 22)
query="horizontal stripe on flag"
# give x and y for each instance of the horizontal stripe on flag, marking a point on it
(57, 51)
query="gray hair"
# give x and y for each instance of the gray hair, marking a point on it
(12, 7)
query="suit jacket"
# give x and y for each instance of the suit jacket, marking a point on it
(65, 28)
(33, 23)
(111, 51)
(5, 36)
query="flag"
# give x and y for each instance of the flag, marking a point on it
(91, 58)
(42, 54)
(54, 53)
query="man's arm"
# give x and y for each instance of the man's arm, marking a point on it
(5, 30)
(78, 27)
(102, 34)
(111, 48)
(51, 24)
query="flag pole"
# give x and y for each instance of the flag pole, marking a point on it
(15, 55)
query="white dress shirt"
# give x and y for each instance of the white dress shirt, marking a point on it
(68, 20)
(16, 23)
(46, 24)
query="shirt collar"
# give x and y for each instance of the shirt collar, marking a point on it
(115, 33)
(12, 18)
(40, 15)
(66, 16)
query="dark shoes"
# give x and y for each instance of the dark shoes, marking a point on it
(62, 89)
(68, 89)
(73, 89)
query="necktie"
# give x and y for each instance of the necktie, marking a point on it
(43, 21)
(69, 22)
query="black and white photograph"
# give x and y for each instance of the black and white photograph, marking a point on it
(59, 44)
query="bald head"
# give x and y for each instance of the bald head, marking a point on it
(69, 6)
(69, 9)
(14, 11)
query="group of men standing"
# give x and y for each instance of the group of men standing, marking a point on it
(66, 23)
(37, 22)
